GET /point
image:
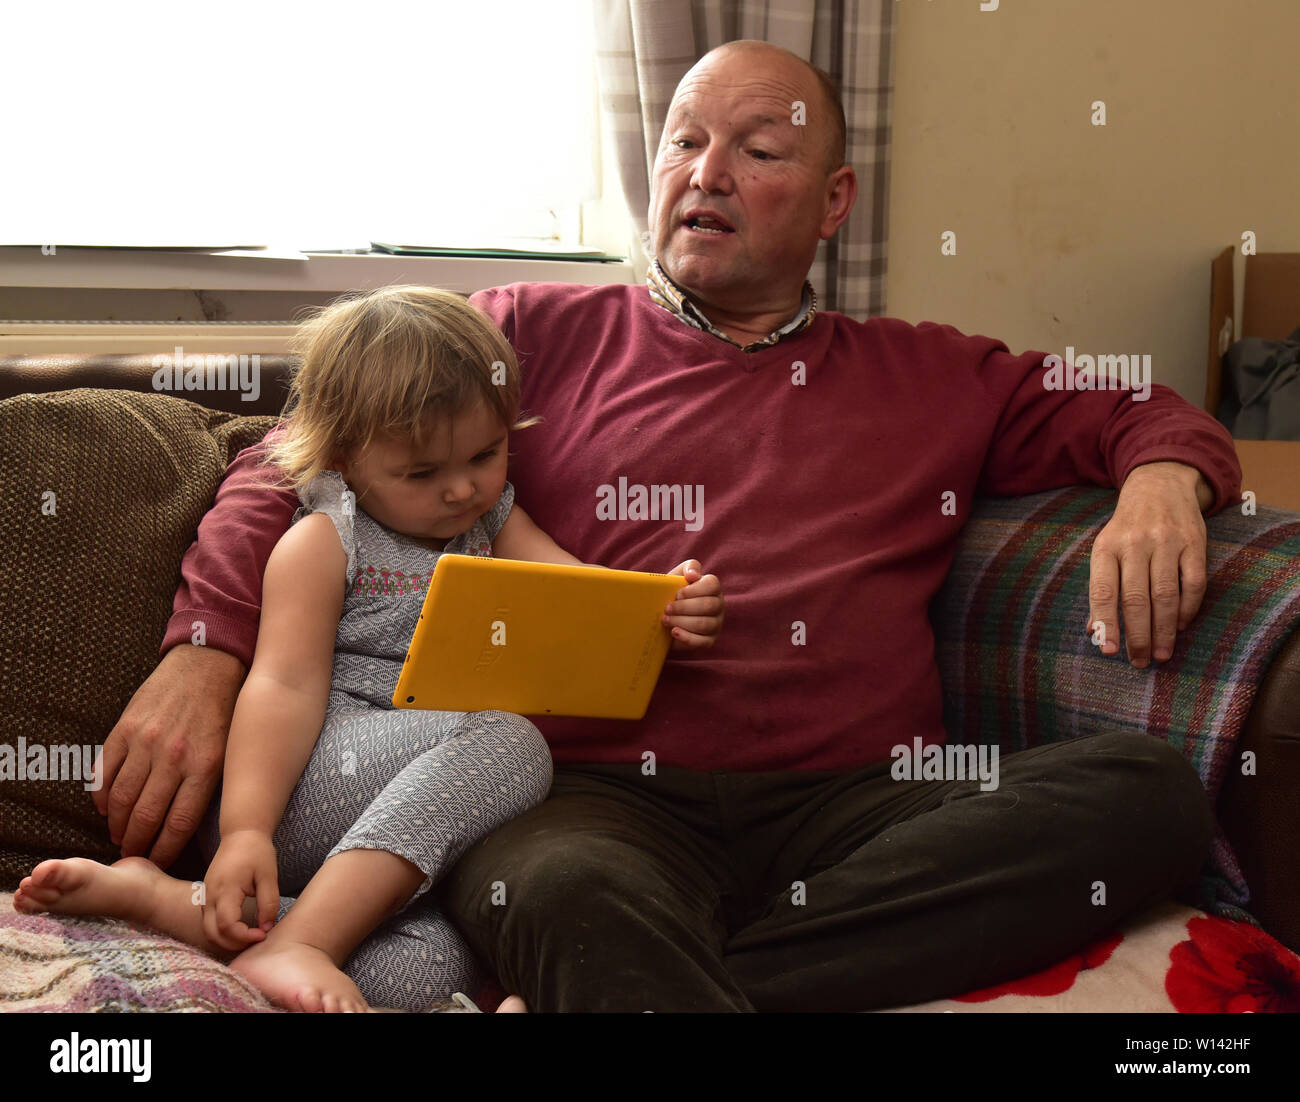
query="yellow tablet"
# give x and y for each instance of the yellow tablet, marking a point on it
(537, 639)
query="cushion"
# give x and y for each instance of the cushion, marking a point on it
(101, 493)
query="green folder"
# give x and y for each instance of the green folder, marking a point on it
(542, 250)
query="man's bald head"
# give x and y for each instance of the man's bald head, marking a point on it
(831, 116)
(748, 180)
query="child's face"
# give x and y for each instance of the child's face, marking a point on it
(440, 494)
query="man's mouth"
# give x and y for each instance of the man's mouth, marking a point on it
(699, 222)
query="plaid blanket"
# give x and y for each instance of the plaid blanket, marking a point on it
(1019, 670)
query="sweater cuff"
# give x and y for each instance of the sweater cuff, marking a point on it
(1221, 472)
(227, 633)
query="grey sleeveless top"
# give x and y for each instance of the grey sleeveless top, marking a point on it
(388, 574)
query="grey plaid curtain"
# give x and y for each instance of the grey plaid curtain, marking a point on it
(644, 47)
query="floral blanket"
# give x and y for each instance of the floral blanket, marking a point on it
(1173, 959)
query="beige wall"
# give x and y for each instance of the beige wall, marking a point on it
(1098, 237)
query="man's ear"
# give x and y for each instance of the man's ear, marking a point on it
(841, 194)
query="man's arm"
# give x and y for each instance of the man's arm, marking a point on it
(1045, 438)
(1171, 462)
(163, 758)
(219, 599)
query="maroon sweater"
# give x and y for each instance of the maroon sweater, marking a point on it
(821, 464)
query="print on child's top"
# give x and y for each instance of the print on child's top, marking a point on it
(388, 575)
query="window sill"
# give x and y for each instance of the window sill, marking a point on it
(162, 270)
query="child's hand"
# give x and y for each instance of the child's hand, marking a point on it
(244, 865)
(695, 615)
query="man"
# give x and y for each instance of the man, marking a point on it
(744, 846)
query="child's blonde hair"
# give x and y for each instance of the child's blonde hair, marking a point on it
(394, 361)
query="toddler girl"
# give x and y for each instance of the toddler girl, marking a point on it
(397, 448)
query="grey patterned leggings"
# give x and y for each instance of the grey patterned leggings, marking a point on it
(425, 786)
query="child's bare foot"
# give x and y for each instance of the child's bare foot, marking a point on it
(133, 888)
(512, 1004)
(298, 976)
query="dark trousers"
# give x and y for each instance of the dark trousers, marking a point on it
(795, 891)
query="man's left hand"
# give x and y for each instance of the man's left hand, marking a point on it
(1149, 561)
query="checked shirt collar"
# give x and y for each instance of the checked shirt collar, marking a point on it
(664, 292)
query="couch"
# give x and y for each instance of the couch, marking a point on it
(102, 485)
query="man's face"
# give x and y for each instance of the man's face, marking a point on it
(440, 494)
(739, 192)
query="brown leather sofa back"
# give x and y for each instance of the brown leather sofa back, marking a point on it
(42, 374)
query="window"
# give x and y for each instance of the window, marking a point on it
(317, 125)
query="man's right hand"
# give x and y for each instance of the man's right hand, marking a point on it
(162, 760)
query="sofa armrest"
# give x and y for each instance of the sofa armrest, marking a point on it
(1260, 810)
(1019, 670)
